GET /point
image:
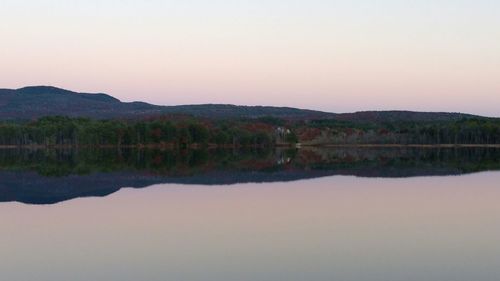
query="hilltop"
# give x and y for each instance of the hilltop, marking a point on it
(39, 101)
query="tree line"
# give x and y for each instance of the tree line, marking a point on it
(57, 130)
(464, 131)
(261, 132)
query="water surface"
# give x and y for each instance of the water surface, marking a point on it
(351, 223)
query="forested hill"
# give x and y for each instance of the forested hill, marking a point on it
(35, 102)
(402, 116)
(40, 101)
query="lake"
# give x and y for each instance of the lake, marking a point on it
(350, 214)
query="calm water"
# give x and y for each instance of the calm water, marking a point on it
(301, 221)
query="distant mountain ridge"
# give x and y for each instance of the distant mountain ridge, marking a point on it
(38, 101)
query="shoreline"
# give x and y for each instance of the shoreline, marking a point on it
(406, 145)
(214, 146)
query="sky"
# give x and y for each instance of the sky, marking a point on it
(338, 56)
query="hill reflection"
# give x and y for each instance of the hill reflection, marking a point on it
(51, 176)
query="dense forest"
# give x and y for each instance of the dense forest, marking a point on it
(463, 131)
(180, 133)
(183, 132)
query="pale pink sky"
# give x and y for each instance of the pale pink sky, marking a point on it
(336, 56)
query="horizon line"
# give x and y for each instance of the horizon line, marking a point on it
(256, 105)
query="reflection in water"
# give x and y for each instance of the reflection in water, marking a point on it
(51, 176)
(323, 229)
